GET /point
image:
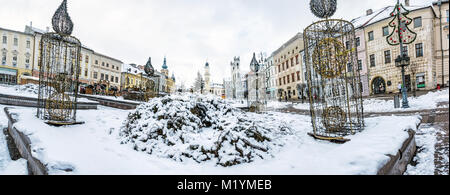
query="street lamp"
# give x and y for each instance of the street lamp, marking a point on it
(403, 61)
(401, 35)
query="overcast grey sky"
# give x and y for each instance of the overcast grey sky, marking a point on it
(188, 32)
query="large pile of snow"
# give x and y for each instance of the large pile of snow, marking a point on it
(202, 128)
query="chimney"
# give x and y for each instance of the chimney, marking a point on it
(48, 29)
(406, 2)
(31, 24)
(369, 12)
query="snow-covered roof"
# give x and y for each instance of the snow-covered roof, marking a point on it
(381, 14)
(128, 68)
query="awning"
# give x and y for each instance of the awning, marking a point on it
(8, 71)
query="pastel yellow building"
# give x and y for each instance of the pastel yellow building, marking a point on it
(16, 52)
(132, 77)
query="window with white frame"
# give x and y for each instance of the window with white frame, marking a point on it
(3, 57)
(14, 60)
(27, 62)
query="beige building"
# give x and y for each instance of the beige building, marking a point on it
(106, 70)
(288, 64)
(16, 53)
(384, 76)
(92, 64)
(441, 54)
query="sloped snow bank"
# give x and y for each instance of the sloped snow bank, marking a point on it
(29, 90)
(201, 128)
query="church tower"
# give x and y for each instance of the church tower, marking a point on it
(207, 79)
(165, 68)
(237, 87)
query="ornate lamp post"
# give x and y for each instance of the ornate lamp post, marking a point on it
(401, 35)
(403, 61)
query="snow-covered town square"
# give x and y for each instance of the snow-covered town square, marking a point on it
(224, 87)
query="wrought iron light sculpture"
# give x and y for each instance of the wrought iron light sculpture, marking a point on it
(59, 70)
(334, 86)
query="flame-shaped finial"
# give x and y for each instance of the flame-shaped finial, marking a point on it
(149, 67)
(61, 20)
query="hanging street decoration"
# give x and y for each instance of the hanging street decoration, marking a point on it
(400, 22)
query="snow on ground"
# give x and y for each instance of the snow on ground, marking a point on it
(28, 90)
(119, 98)
(8, 166)
(278, 105)
(95, 148)
(426, 141)
(237, 103)
(424, 102)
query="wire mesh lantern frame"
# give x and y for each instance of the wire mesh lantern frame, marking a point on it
(59, 70)
(334, 81)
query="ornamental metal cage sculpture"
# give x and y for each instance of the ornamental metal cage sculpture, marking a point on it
(334, 81)
(59, 70)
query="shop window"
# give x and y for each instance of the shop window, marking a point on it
(420, 80)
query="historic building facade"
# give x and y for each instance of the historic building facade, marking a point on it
(106, 71)
(289, 65)
(384, 76)
(441, 34)
(132, 77)
(269, 75)
(16, 53)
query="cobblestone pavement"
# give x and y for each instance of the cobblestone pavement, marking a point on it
(439, 120)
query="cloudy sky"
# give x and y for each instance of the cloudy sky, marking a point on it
(188, 32)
